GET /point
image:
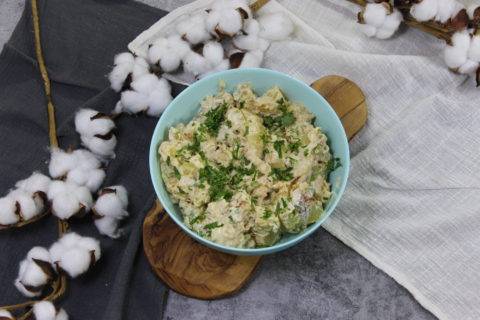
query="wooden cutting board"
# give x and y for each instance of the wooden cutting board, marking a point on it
(197, 271)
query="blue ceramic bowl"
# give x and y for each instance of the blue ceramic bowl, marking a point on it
(186, 105)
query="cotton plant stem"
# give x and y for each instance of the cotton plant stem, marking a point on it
(257, 5)
(60, 283)
(431, 27)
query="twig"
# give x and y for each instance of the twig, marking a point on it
(59, 285)
(257, 5)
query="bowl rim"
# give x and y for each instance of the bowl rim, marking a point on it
(157, 139)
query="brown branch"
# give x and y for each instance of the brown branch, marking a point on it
(436, 29)
(257, 5)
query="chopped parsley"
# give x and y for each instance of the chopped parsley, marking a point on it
(218, 180)
(213, 225)
(198, 218)
(284, 120)
(294, 146)
(214, 119)
(267, 214)
(332, 164)
(282, 174)
(277, 145)
(177, 173)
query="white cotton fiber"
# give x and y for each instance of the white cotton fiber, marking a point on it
(468, 67)
(36, 182)
(193, 28)
(195, 63)
(275, 26)
(90, 178)
(377, 20)
(102, 147)
(250, 40)
(31, 277)
(68, 199)
(126, 64)
(213, 52)
(375, 14)
(87, 124)
(447, 9)
(5, 314)
(224, 22)
(457, 54)
(474, 49)
(108, 226)
(110, 208)
(7, 211)
(149, 94)
(425, 10)
(252, 59)
(29, 208)
(168, 52)
(60, 163)
(73, 253)
(45, 310)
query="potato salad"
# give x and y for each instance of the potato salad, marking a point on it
(248, 168)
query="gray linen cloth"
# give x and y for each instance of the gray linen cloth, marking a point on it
(79, 39)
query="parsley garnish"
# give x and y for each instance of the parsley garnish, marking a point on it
(277, 145)
(267, 214)
(213, 225)
(284, 120)
(214, 119)
(332, 164)
(294, 146)
(177, 173)
(282, 174)
(198, 218)
(217, 179)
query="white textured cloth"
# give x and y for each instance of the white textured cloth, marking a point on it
(412, 203)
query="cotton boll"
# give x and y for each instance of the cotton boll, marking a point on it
(252, 59)
(375, 14)
(75, 261)
(92, 179)
(111, 205)
(213, 52)
(121, 193)
(29, 208)
(45, 310)
(108, 226)
(149, 94)
(100, 146)
(251, 41)
(425, 10)
(60, 163)
(447, 9)
(8, 214)
(69, 199)
(224, 65)
(6, 315)
(195, 63)
(36, 182)
(140, 67)
(74, 253)
(193, 28)
(34, 272)
(168, 52)
(90, 122)
(275, 26)
(125, 66)
(224, 22)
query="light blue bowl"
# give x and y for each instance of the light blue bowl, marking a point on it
(186, 105)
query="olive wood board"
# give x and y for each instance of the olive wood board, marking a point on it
(197, 271)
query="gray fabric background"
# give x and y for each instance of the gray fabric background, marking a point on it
(79, 42)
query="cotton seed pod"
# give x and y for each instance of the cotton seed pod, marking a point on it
(69, 200)
(459, 21)
(6, 315)
(126, 69)
(45, 310)
(35, 272)
(225, 18)
(250, 39)
(193, 28)
(109, 209)
(89, 122)
(473, 12)
(424, 10)
(167, 53)
(74, 254)
(275, 26)
(28, 205)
